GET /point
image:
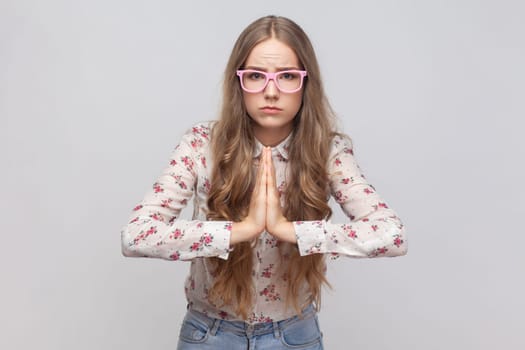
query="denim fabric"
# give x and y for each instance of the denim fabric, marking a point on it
(199, 331)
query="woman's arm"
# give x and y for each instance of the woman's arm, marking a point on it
(374, 229)
(154, 229)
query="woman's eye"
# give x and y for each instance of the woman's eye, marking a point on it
(255, 76)
(288, 76)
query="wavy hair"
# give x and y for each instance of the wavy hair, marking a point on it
(233, 174)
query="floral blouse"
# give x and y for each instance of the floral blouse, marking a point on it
(155, 230)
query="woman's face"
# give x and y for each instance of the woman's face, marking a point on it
(272, 110)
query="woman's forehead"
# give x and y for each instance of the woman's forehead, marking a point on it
(272, 53)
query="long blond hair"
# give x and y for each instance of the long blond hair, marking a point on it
(233, 175)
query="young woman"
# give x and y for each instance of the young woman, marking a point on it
(261, 177)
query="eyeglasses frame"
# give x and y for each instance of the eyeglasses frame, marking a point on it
(271, 76)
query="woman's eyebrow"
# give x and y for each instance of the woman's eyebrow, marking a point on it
(266, 69)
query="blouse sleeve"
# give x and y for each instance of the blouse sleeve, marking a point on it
(374, 229)
(154, 229)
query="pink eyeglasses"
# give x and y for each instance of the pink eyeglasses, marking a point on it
(287, 81)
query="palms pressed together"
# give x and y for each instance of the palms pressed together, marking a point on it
(265, 212)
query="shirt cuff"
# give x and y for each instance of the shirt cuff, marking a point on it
(311, 237)
(219, 233)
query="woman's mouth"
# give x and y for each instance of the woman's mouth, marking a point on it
(270, 110)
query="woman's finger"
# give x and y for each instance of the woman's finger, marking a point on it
(265, 170)
(272, 181)
(260, 174)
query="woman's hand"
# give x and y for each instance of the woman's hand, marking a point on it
(255, 223)
(276, 224)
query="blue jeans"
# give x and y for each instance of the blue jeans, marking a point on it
(199, 331)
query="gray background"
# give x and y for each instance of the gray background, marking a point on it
(94, 95)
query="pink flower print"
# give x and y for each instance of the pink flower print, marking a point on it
(398, 241)
(192, 284)
(166, 202)
(223, 314)
(188, 162)
(140, 206)
(266, 319)
(207, 239)
(143, 235)
(176, 234)
(199, 130)
(269, 293)
(175, 256)
(365, 219)
(339, 197)
(173, 162)
(260, 319)
(280, 158)
(380, 251)
(368, 191)
(134, 220)
(228, 226)
(374, 227)
(349, 231)
(267, 272)
(196, 246)
(157, 187)
(196, 143)
(203, 161)
(184, 201)
(348, 150)
(271, 241)
(156, 216)
(337, 161)
(315, 249)
(380, 205)
(345, 181)
(183, 185)
(207, 185)
(199, 225)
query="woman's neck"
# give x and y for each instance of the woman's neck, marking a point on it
(271, 137)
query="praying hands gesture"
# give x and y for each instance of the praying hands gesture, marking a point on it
(265, 212)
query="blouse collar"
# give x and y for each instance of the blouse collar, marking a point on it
(282, 148)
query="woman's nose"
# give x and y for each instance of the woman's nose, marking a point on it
(271, 90)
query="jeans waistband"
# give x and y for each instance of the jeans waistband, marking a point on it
(247, 329)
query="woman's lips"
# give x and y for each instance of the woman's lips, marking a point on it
(270, 110)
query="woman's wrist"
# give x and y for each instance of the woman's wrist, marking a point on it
(243, 231)
(284, 231)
